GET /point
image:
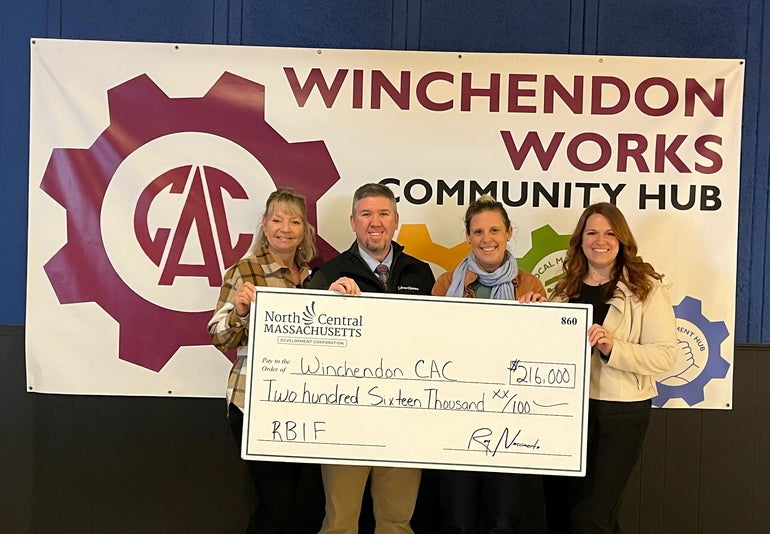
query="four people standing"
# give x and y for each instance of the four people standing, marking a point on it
(633, 339)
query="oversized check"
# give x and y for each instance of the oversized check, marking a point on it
(433, 382)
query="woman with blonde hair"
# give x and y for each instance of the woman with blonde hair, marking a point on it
(289, 496)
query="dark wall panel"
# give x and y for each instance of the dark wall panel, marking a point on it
(491, 26)
(752, 226)
(753, 304)
(17, 444)
(682, 470)
(651, 486)
(672, 28)
(18, 21)
(176, 21)
(309, 23)
(137, 465)
(723, 456)
(759, 445)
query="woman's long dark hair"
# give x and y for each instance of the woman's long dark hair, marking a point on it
(629, 267)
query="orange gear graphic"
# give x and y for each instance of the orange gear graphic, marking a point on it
(417, 241)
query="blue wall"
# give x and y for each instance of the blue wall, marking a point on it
(675, 28)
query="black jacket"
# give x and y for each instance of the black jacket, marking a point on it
(408, 275)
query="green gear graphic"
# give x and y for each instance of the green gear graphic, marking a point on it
(544, 259)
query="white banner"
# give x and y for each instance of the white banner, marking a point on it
(150, 163)
(368, 381)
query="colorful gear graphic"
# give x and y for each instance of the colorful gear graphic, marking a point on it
(234, 109)
(545, 242)
(417, 241)
(690, 309)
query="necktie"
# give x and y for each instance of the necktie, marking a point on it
(382, 273)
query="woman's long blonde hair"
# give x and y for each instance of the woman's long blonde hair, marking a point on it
(295, 204)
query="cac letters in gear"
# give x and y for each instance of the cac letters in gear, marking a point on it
(79, 178)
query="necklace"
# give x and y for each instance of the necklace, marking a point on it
(595, 279)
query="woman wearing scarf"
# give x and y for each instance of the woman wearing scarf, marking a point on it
(483, 501)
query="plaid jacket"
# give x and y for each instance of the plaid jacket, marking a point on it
(230, 331)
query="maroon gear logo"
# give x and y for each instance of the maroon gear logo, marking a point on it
(78, 179)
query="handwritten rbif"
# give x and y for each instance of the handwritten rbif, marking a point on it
(433, 382)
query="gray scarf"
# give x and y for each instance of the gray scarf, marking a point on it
(499, 280)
